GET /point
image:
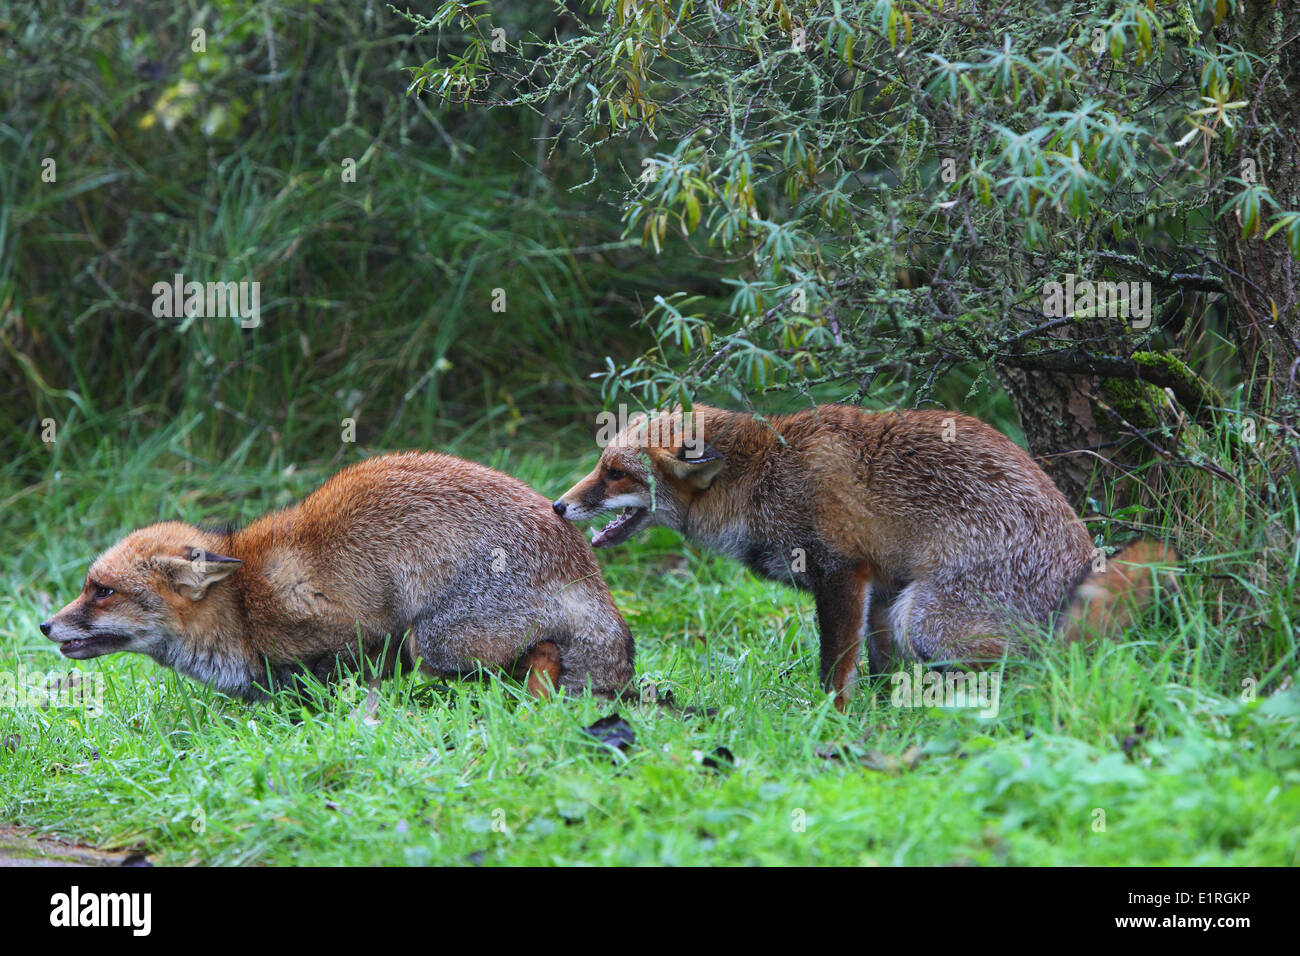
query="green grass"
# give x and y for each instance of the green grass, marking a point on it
(1152, 731)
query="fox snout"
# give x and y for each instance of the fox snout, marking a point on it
(599, 494)
(79, 641)
(583, 501)
(580, 510)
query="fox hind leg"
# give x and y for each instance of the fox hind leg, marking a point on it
(547, 666)
(601, 659)
(576, 640)
(943, 623)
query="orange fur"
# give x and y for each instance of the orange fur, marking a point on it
(423, 555)
(1108, 601)
(930, 530)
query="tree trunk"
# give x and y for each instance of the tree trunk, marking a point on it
(1082, 428)
(1263, 306)
(1056, 415)
(1072, 422)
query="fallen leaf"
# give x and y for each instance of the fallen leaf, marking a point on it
(721, 759)
(613, 731)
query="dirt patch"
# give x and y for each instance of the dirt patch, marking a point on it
(20, 847)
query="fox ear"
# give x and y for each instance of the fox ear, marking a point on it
(197, 570)
(697, 463)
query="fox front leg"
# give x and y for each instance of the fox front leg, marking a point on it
(841, 596)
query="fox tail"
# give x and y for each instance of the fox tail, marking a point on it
(1104, 602)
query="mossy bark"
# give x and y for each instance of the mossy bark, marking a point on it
(1079, 427)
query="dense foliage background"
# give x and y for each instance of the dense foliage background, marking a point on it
(232, 164)
(889, 188)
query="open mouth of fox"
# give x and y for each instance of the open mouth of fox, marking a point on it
(628, 522)
(97, 645)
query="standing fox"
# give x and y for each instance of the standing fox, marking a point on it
(938, 524)
(469, 564)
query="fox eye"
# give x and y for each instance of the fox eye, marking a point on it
(102, 592)
(615, 475)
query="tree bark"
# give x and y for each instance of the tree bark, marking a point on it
(1263, 304)
(1077, 426)
(1064, 416)
(1056, 415)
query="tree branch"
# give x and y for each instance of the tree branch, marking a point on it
(1181, 280)
(1191, 391)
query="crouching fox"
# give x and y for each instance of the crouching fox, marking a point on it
(403, 558)
(929, 530)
